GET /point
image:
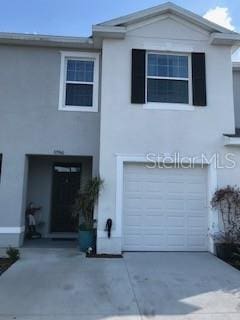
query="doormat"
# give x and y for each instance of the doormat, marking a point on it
(104, 256)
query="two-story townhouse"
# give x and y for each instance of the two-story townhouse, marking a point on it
(147, 102)
(171, 95)
(49, 129)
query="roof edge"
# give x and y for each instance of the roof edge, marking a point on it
(108, 32)
(164, 8)
(227, 39)
(236, 65)
(45, 40)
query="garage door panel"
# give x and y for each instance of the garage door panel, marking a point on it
(196, 222)
(133, 221)
(133, 240)
(196, 234)
(152, 221)
(174, 187)
(145, 186)
(147, 178)
(194, 187)
(164, 209)
(151, 186)
(196, 241)
(132, 233)
(153, 241)
(133, 204)
(149, 221)
(173, 196)
(153, 204)
(152, 230)
(132, 186)
(171, 180)
(176, 221)
(195, 204)
(180, 231)
(176, 241)
(175, 204)
(154, 212)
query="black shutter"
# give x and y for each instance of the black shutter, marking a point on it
(138, 76)
(199, 79)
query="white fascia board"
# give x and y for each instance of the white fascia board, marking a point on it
(236, 65)
(109, 32)
(225, 39)
(45, 40)
(231, 141)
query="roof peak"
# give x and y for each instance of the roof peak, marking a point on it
(167, 7)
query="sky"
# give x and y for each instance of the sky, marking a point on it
(76, 17)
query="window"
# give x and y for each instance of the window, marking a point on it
(79, 82)
(67, 168)
(168, 78)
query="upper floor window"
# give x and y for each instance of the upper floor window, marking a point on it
(168, 78)
(79, 81)
(168, 81)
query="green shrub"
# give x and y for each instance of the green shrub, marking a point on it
(13, 253)
(85, 202)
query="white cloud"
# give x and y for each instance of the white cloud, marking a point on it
(221, 16)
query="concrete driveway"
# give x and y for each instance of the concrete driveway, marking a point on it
(62, 284)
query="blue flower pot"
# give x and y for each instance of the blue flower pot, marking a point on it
(86, 239)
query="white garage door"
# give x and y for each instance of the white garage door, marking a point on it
(164, 209)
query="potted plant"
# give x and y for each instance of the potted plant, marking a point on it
(84, 209)
(227, 202)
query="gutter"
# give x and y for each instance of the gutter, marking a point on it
(46, 40)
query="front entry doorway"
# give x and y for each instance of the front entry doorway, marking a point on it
(65, 185)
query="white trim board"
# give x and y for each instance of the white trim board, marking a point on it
(231, 141)
(12, 230)
(122, 159)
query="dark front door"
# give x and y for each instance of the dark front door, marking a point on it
(66, 183)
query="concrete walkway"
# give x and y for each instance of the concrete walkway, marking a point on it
(61, 284)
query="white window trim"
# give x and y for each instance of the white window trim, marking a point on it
(169, 105)
(92, 56)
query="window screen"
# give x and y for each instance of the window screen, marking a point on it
(79, 83)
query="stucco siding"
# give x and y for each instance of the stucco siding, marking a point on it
(130, 129)
(167, 27)
(30, 120)
(31, 123)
